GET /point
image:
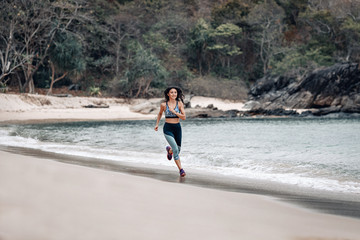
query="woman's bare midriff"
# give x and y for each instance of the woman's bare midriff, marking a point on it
(172, 120)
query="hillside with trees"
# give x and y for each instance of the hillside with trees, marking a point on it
(134, 48)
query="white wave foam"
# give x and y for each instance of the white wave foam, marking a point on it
(261, 173)
(245, 169)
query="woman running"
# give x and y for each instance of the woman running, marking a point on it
(174, 111)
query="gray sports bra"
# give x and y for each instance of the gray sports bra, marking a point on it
(169, 114)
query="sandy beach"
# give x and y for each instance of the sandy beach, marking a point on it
(52, 197)
(45, 199)
(29, 108)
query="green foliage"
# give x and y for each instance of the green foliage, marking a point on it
(224, 39)
(157, 42)
(233, 11)
(153, 7)
(198, 40)
(140, 45)
(351, 25)
(102, 9)
(103, 62)
(43, 77)
(174, 26)
(3, 87)
(95, 91)
(144, 69)
(225, 46)
(297, 62)
(184, 74)
(323, 26)
(66, 53)
(226, 30)
(144, 63)
(266, 19)
(214, 46)
(292, 9)
(199, 35)
(351, 34)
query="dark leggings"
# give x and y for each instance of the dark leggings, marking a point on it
(172, 133)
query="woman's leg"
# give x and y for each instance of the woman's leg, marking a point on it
(178, 164)
(173, 134)
(174, 147)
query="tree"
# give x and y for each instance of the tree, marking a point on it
(199, 38)
(10, 54)
(297, 61)
(233, 11)
(65, 56)
(347, 13)
(292, 9)
(225, 44)
(351, 29)
(35, 26)
(120, 27)
(331, 26)
(267, 20)
(144, 68)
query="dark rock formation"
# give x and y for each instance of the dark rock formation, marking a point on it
(211, 113)
(328, 90)
(272, 112)
(96, 106)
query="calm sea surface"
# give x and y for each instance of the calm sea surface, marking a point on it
(317, 153)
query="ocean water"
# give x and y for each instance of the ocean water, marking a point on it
(319, 153)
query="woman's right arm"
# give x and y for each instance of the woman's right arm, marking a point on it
(162, 108)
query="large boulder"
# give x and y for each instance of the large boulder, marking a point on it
(336, 88)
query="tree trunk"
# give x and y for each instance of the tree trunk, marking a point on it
(139, 89)
(199, 63)
(262, 52)
(117, 67)
(28, 74)
(147, 86)
(26, 83)
(31, 86)
(20, 83)
(228, 67)
(52, 77)
(30, 69)
(53, 80)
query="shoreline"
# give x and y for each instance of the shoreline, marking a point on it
(28, 108)
(69, 120)
(32, 109)
(334, 203)
(48, 199)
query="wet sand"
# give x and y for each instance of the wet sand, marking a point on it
(317, 200)
(44, 197)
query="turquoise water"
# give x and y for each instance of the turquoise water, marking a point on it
(317, 153)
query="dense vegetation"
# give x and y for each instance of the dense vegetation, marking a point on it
(135, 48)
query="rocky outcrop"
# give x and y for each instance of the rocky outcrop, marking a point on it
(334, 90)
(329, 90)
(211, 113)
